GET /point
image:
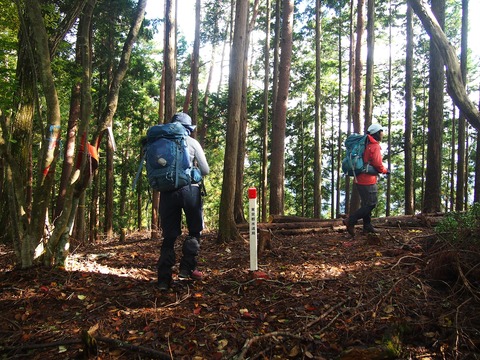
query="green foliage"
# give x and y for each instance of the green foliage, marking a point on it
(9, 26)
(461, 226)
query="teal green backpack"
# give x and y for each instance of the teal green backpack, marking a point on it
(352, 163)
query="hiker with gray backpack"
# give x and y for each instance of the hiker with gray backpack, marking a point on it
(364, 161)
(176, 164)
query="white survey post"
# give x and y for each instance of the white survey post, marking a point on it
(252, 215)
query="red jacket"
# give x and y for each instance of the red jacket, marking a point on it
(373, 156)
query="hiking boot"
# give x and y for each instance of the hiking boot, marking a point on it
(369, 229)
(163, 286)
(350, 228)
(194, 275)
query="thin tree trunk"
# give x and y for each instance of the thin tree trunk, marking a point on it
(389, 141)
(109, 182)
(230, 39)
(340, 120)
(170, 106)
(370, 62)
(170, 60)
(355, 200)
(276, 56)
(409, 175)
(196, 64)
(476, 192)
(462, 168)
(69, 153)
(317, 162)
(351, 100)
(358, 69)
(453, 143)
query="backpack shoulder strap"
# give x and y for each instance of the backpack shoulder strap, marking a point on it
(139, 171)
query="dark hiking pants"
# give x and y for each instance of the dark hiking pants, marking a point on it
(368, 201)
(172, 203)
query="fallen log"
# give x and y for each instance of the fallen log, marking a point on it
(291, 218)
(294, 222)
(276, 226)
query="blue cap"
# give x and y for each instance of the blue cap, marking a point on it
(185, 120)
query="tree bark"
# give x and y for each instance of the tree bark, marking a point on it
(317, 162)
(265, 123)
(196, 64)
(350, 101)
(289, 222)
(461, 163)
(227, 228)
(455, 86)
(370, 62)
(340, 116)
(239, 214)
(358, 88)
(50, 149)
(277, 169)
(170, 60)
(409, 176)
(433, 174)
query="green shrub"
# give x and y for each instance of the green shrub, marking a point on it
(460, 226)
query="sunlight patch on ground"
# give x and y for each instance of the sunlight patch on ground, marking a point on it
(89, 264)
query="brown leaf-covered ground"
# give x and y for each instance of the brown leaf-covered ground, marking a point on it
(324, 297)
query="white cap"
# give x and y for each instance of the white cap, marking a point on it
(374, 128)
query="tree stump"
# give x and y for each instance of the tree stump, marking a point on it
(264, 240)
(123, 235)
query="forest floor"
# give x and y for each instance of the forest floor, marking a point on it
(322, 295)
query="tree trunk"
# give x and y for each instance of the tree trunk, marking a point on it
(69, 153)
(277, 171)
(109, 182)
(357, 106)
(461, 163)
(239, 214)
(196, 63)
(87, 169)
(276, 56)
(340, 119)
(433, 173)
(170, 74)
(49, 154)
(317, 161)
(409, 175)
(358, 69)
(476, 192)
(170, 60)
(453, 142)
(75, 196)
(389, 132)
(227, 228)
(350, 101)
(265, 127)
(455, 86)
(370, 62)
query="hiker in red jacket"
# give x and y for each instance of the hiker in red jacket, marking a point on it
(366, 183)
